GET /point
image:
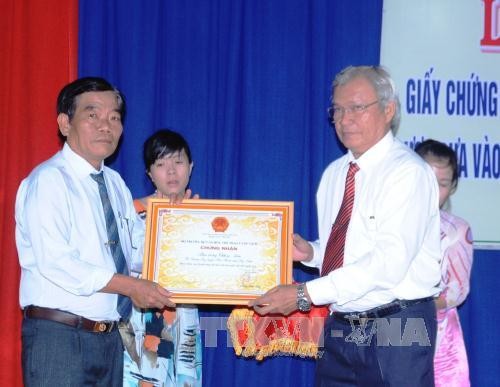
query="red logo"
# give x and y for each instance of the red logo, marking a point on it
(220, 224)
(491, 35)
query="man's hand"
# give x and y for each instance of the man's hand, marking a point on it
(302, 250)
(143, 293)
(148, 294)
(281, 300)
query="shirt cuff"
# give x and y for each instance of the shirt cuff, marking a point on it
(322, 291)
(102, 280)
(317, 259)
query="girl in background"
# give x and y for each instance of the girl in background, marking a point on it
(450, 360)
(163, 347)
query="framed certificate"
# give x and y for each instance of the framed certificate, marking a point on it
(218, 251)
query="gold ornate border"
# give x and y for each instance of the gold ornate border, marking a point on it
(219, 223)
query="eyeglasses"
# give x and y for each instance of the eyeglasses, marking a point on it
(336, 113)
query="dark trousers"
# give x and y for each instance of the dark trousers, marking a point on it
(397, 350)
(55, 354)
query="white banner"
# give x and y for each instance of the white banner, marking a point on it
(445, 59)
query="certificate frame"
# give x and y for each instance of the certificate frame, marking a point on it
(209, 251)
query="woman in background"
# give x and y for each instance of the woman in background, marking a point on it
(163, 347)
(450, 360)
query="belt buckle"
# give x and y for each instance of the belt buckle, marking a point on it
(360, 319)
(103, 327)
(351, 317)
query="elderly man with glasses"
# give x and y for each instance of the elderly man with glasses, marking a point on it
(378, 249)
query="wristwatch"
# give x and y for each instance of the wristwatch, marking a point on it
(303, 303)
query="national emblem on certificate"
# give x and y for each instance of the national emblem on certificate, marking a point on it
(218, 251)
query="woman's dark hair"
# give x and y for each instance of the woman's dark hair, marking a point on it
(162, 143)
(66, 101)
(442, 152)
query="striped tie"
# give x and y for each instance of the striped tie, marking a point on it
(124, 304)
(334, 252)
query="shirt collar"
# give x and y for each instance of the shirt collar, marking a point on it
(80, 166)
(373, 155)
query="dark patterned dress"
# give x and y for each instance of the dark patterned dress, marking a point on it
(162, 348)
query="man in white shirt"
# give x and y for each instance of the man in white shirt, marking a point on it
(70, 284)
(382, 326)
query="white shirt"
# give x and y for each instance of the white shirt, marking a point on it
(392, 248)
(61, 236)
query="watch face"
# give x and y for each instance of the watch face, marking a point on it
(304, 305)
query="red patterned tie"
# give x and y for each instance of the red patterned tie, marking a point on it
(334, 253)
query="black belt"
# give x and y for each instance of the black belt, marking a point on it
(380, 311)
(70, 319)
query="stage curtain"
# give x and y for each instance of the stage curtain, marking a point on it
(248, 84)
(38, 55)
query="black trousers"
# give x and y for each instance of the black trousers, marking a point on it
(397, 350)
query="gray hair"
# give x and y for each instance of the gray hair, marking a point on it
(381, 82)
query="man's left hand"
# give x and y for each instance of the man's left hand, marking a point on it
(281, 300)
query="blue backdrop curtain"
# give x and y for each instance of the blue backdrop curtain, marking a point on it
(248, 84)
(479, 316)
